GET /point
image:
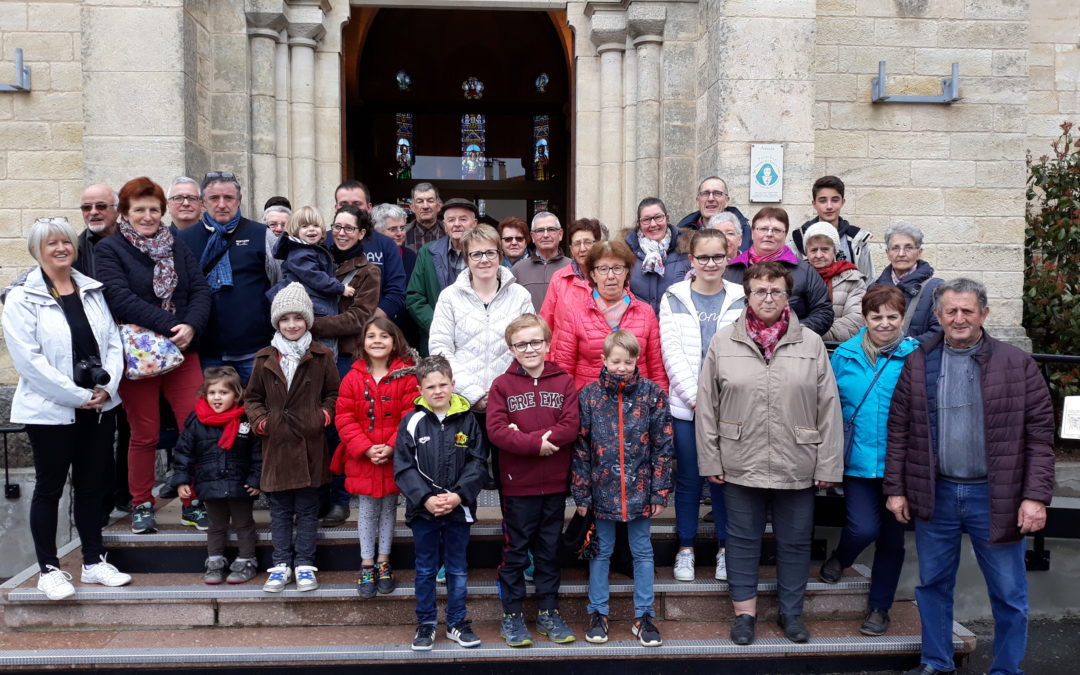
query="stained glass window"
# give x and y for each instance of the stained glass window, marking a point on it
(404, 146)
(541, 158)
(473, 144)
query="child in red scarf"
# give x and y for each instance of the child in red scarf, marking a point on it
(218, 452)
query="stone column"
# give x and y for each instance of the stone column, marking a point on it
(283, 148)
(631, 196)
(328, 106)
(585, 201)
(302, 43)
(609, 36)
(265, 20)
(646, 22)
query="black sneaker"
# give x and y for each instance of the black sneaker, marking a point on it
(742, 631)
(424, 639)
(195, 516)
(793, 627)
(365, 585)
(647, 633)
(462, 633)
(513, 630)
(598, 629)
(142, 519)
(831, 571)
(876, 624)
(384, 581)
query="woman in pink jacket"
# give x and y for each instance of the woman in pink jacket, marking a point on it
(587, 319)
(570, 280)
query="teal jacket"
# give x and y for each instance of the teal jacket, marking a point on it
(853, 376)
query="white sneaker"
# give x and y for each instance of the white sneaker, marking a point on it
(684, 565)
(721, 566)
(305, 578)
(55, 584)
(104, 573)
(278, 580)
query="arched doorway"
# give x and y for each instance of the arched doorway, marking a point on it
(476, 102)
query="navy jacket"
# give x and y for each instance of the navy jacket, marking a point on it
(312, 266)
(128, 276)
(382, 252)
(691, 221)
(217, 473)
(240, 315)
(408, 260)
(649, 286)
(918, 287)
(809, 297)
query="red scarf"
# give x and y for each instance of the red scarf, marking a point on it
(832, 270)
(230, 419)
(767, 336)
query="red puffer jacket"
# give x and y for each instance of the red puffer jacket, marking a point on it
(578, 346)
(368, 413)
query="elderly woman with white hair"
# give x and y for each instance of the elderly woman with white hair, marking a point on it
(389, 219)
(275, 218)
(729, 225)
(66, 349)
(845, 283)
(912, 275)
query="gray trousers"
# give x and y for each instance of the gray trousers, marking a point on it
(793, 527)
(302, 506)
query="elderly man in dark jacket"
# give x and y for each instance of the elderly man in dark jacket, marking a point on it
(971, 429)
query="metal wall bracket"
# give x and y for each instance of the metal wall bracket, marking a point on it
(950, 89)
(22, 74)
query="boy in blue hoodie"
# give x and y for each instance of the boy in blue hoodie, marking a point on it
(439, 465)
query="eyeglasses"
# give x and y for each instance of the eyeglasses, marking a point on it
(604, 270)
(523, 347)
(659, 218)
(511, 240)
(394, 228)
(769, 230)
(344, 228)
(908, 248)
(584, 243)
(180, 199)
(761, 295)
(477, 256)
(710, 259)
(100, 206)
(711, 193)
(547, 230)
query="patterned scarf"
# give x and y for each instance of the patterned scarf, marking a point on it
(832, 270)
(767, 336)
(230, 419)
(613, 314)
(654, 253)
(756, 257)
(159, 248)
(291, 352)
(221, 275)
(751, 257)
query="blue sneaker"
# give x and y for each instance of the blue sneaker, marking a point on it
(142, 519)
(513, 630)
(440, 578)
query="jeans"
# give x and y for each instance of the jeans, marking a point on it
(793, 527)
(301, 504)
(86, 448)
(142, 403)
(960, 508)
(868, 522)
(430, 538)
(688, 489)
(599, 567)
(243, 366)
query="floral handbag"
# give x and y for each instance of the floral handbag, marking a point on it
(147, 353)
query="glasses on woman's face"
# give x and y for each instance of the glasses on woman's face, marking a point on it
(705, 260)
(658, 218)
(604, 270)
(477, 256)
(513, 240)
(775, 231)
(534, 345)
(761, 295)
(344, 228)
(582, 244)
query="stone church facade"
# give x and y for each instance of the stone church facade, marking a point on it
(663, 93)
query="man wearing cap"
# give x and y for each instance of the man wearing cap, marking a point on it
(438, 264)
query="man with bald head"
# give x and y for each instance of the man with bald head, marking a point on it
(713, 198)
(99, 212)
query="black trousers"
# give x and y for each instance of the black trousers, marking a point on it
(237, 514)
(532, 523)
(117, 493)
(85, 447)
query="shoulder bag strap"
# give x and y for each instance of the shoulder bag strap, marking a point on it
(870, 388)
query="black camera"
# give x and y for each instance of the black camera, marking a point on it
(88, 373)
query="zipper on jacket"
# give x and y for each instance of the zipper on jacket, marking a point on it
(622, 463)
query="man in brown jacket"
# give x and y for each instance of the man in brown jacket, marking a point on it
(971, 429)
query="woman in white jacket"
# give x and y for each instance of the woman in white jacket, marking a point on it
(67, 351)
(690, 314)
(470, 320)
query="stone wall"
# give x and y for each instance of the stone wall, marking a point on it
(1054, 70)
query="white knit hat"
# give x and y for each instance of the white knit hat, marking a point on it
(293, 299)
(822, 229)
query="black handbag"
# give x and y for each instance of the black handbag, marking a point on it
(579, 537)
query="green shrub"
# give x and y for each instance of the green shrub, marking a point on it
(1052, 257)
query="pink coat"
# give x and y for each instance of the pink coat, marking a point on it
(578, 345)
(566, 289)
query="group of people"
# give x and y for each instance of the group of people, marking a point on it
(442, 356)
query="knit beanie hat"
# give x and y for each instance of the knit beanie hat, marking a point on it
(289, 300)
(822, 229)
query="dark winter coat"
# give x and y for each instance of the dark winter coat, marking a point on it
(369, 413)
(88, 241)
(216, 472)
(1019, 432)
(918, 287)
(352, 313)
(809, 297)
(622, 463)
(692, 220)
(313, 267)
(294, 440)
(128, 277)
(649, 287)
(433, 457)
(535, 405)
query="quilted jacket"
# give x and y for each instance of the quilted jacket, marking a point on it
(369, 413)
(566, 290)
(649, 287)
(218, 473)
(848, 289)
(622, 463)
(918, 288)
(1019, 432)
